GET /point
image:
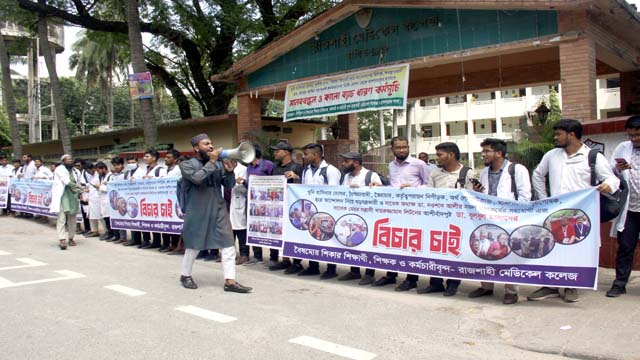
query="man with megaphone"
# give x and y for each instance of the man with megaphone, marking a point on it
(206, 218)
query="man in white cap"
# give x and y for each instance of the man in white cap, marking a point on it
(64, 200)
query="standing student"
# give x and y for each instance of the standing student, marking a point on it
(151, 170)
(505, 180)
(625, 160)
(130, 169)
(567, 167)
(318, 172)
(404, 171)
(64, 201)
(171, 159)
(117, 174)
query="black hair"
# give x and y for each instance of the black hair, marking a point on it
(449, 147)
(131, 158)
(78, 161)
(570, 126)
(258, 150)
(16, 161)
(153, 153)
(101, 165)
(117, 161)
(317, 148)
(633, 122)
(398, 138)
(28, 155)
(175, 153)
(496, 145)
(87, 165)
(37, 158)
(2, 157)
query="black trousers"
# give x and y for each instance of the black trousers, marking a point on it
(241, 235)
(275, 253)
(410, 277)
(436, 281)
(107, 224)
(627, 242)
(136, 237)
(356, 270)
(170, 240)
(85, 220)
(316, 265)
(146, 237)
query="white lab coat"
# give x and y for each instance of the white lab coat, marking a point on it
(238, 207)
(95, 203)
(623, 150)
(60, 180)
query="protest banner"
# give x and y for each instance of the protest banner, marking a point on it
(140, 86)
(145, 205)
(447, 233)
(4, 191)
(372, 89)
(265, 212)
(31, 196)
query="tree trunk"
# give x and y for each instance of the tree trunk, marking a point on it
(139, 66)
(8, 99)
(83, 121)
(48, 54)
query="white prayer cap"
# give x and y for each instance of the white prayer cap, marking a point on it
(66, 156)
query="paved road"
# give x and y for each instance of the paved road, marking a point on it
(56, 305)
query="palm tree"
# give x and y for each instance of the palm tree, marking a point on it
(8, 99)
(139, 66)
(49, 59)
(96, 57)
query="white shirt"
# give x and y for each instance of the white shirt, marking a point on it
(358, 180)
(142, 172)
(311, 178)
(623, 150)
(570, 173)
(43, 173)
(485, 244)
(523, 184)
(29, 170)
(174, 172)
(6, 170)
(238, 206)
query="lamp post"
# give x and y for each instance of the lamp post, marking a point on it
(542, 113)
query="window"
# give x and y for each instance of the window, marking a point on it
(427, 131)
(456, 99)
(613, 83)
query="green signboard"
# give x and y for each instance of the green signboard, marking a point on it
(391, 35)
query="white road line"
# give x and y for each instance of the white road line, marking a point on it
(4, 282)
(66, 275)
(125, 290)
(336, 349)
(206, 314)
(28, 261)
(4, 253)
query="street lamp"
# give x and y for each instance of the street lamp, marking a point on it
(542, 113)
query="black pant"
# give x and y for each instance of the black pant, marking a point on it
(316, 265)
(241, 235)
(107, 224)
(170, 240)
(356, 270)
(451, 283)
(410, 277)
(85, 220)
(136, 237)
(146, 237)
(627, 242)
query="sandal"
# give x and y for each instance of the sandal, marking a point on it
(72, 243)
(62, 245)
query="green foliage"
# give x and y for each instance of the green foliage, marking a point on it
(529, 153)
(369, 129)
(5, 134)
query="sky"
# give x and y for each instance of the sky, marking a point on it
(70, 34)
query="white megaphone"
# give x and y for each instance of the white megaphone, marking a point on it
(244, 153)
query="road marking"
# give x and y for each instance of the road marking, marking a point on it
(4, 253)
(4, 281)
(336, 349)
(125, 290)
(206, 314)
(66, 275)
(29, 263)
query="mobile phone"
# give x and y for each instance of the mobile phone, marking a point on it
(621, 160)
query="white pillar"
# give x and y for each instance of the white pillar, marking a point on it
(498, 105)
(410, 106)
(442, 110)
(394, 129)
(470, 135)
(382, 134)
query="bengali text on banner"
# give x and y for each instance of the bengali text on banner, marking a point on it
(447, 233)
(145, 205)
(372, 89)
(4, 191)
(31, 196)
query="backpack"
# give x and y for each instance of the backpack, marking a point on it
(128, 174)
(367, 178)
(181, 194)
(610, 204)
(462, 179)
(323, 173)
